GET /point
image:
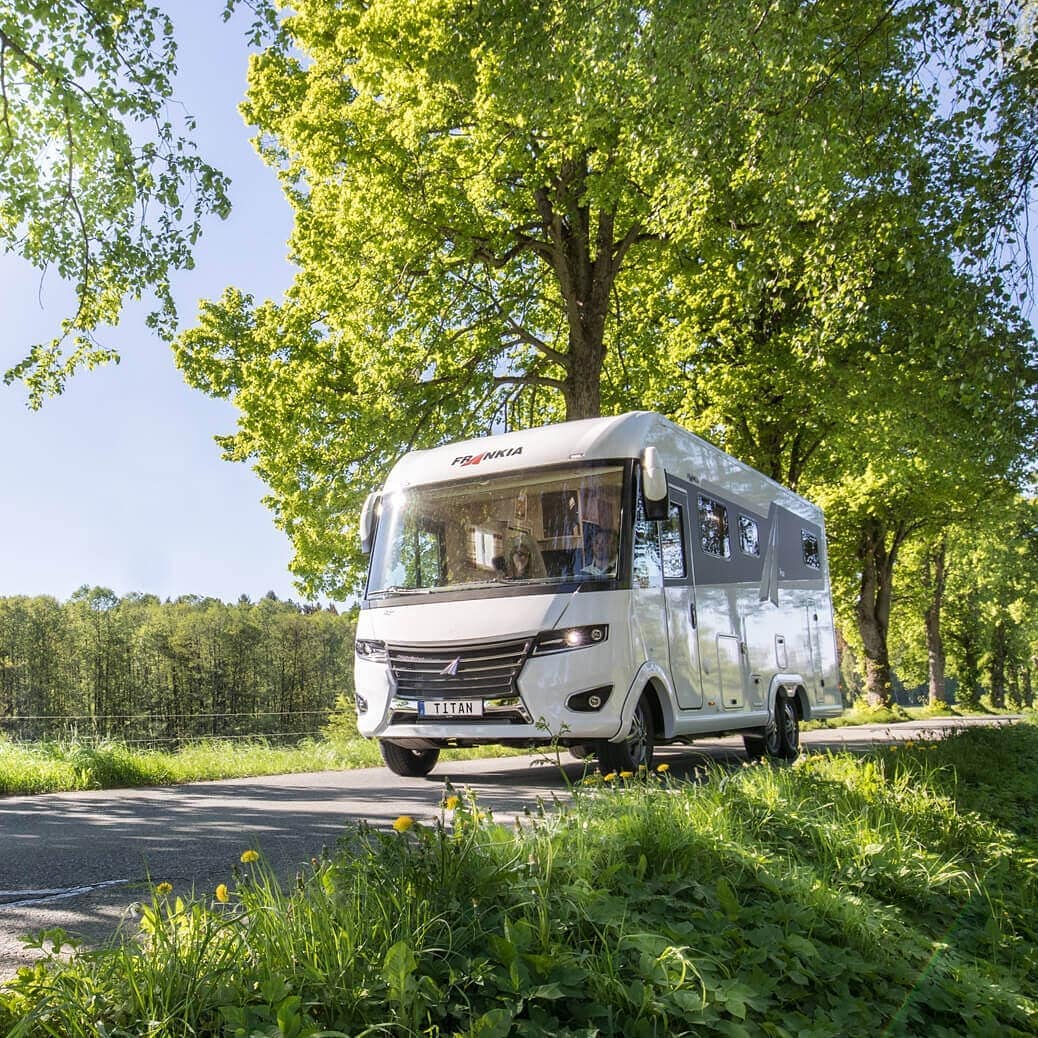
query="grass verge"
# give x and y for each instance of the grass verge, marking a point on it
(52, 767)
(894, 894)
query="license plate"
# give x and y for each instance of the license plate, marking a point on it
(450, 708)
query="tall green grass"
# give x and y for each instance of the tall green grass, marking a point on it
(843, 896)
(51, 767)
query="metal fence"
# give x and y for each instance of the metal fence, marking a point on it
(168, 730)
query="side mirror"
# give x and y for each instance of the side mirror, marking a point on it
(369, 520)
(655, 496)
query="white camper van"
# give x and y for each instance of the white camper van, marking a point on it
(613, 584)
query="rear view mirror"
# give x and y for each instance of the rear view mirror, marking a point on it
(369, 520)
(655, 495)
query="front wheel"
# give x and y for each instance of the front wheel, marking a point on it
(402, 760)
(636, 750)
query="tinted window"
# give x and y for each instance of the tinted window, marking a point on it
(673, 543)
(749, 537)
(811, 556)
(713, 528)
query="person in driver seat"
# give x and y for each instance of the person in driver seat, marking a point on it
(602, 562)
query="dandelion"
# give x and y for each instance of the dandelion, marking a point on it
(626, 774)
(662, 769)
(452, 803)
(221, 894)
(163, 889)
(249, 856)
(610, 777)
(909, 745)
(403, 823)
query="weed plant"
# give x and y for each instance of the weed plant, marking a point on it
(842, 896)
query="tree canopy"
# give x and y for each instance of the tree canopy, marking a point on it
(506, 215)
(97, 180)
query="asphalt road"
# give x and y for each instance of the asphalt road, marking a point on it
(80, 860)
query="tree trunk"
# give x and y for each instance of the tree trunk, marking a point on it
(997, 668)
(934, 578)
(873, 608)
(580, 247)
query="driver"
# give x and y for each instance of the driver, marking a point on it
(603, 555)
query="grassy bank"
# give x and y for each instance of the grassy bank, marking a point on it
(27, 768)
(893, 894)
(51, 767)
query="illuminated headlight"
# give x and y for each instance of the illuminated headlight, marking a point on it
(373, 651)
(570, 638)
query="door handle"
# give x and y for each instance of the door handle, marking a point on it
(692, 614)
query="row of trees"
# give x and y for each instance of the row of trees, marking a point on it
(141, 669)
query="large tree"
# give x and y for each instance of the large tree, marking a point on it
(493, 201)
(97, 180)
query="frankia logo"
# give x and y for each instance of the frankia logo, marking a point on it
(475, 459)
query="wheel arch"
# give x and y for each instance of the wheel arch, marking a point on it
(649, 680)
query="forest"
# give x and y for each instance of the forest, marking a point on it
(158, 673)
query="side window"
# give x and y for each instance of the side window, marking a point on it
(749, 537)
(713, 528)
(647, 569)
(673, 542)
(811, 555)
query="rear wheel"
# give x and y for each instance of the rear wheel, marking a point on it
(781, 739)
(789, 728)
(402, 760)
(636, 750)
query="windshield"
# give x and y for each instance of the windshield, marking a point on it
(550, 526)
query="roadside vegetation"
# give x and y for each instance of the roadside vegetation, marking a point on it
(894, 893)
(68, 765)
(53, 767)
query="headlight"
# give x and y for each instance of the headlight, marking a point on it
(373, 651)
(570, 638)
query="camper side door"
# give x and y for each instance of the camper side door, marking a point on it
(680, 594)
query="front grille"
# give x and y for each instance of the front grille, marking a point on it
(485, 670)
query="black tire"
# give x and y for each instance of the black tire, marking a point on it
(636, 750)
(789, 728)
(781, 739)
(402, 760)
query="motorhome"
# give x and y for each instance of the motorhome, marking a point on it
(609, 585)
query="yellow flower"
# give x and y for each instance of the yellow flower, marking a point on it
(451, 803)
(609, 777)
(163, 889)
(909, 744)
(249, 856)
(626, 774)
(403, 823)
(221, 894)
(663, 768)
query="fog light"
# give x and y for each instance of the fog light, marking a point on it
(590, 701)
(362, 704)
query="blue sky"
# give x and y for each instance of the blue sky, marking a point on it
(118, 482)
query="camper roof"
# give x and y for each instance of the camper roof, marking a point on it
(623, 436)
